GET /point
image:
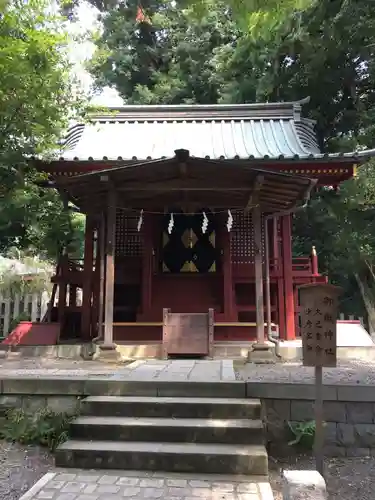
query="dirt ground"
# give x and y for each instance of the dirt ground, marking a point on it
(20, 468)
(346, 478)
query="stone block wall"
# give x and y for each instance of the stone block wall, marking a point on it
(349, 415)
(349, 426)
(34, 403)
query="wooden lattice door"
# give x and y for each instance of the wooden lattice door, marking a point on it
(187, 333)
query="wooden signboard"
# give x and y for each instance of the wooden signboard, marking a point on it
(187, 333)
(319, 310)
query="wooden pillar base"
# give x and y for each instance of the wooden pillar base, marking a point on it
(261, 354)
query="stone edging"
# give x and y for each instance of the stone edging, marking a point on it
(34, 490)
(84, 386)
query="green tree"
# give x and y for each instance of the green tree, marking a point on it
(342, 226)
(256, 17)
(327, 53)
(38, 97)
(164, 58)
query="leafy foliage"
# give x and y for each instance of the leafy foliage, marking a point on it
(45, 427)
(303, 434)
(321, 54)
(165, 59)
(38, 96)
(257, 17)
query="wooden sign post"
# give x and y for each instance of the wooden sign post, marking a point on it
(319, 310)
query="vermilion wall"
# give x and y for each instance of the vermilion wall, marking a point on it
(28, 333)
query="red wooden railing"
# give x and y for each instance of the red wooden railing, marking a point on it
(243, 268)
(301, 266)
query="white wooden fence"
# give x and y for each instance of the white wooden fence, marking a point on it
(34, 306)
(342, 317)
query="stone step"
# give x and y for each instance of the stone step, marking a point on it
(181, 430)
(171, 457)
(171, 407)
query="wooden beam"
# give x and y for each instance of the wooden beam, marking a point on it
(102, 242)
(182, 187)
(110, 269)
(219, 324)
(225, 238)
(87, 279)
(284, 188)
(290, 319)
(259, 300)
(253, 198)
(147, 261)
(63, 287)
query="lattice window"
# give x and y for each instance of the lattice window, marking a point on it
(128, 239)
(242, 239)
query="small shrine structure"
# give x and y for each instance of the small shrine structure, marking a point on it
(188, 223)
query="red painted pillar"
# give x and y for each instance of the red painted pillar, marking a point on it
(296, 316)
(147, 264)
(288, 277)
(95, 286)
(277, 246)
(63, 288)
(227, 273)
(314, 263)
(87, 279)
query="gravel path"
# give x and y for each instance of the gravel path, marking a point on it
(347, 478)
(348, 372)
(20, 468)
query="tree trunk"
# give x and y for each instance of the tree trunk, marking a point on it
(369, 302)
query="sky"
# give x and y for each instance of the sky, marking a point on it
(81, 52)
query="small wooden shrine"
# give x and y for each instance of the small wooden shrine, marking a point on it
(188, 229)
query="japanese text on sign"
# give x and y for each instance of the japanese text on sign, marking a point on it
(318, 324)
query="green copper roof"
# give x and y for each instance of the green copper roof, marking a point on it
(244, 131)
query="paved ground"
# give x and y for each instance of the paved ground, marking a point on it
(347, 372)
(158, 370)
(73, 484)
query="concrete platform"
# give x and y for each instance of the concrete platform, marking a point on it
(353, 343)
(125, 350)
(75, 484)
(140, 370)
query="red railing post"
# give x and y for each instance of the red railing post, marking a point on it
(314, 262)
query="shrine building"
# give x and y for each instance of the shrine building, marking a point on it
(189, 212)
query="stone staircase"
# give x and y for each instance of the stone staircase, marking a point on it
(196, 435)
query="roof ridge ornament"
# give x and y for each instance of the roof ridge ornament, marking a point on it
(297, 108)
